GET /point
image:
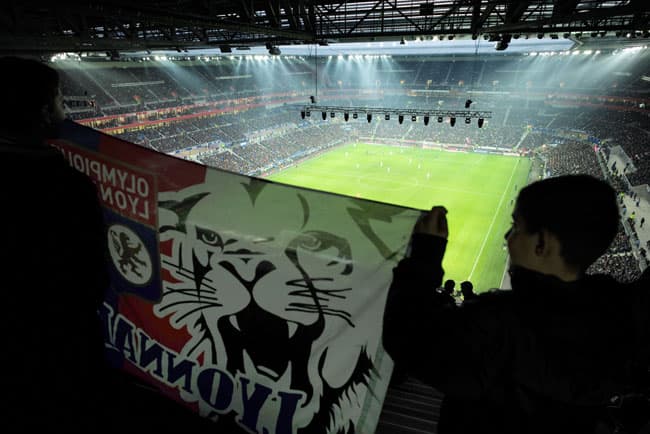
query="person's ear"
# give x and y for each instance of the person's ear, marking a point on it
(540, 243)
(46, 114)
(547, 244)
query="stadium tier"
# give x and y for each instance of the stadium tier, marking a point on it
(244, 116)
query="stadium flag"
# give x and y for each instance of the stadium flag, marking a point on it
(250, 302)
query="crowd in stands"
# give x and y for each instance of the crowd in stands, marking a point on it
(257, 158)
(230, 126)
(574, 157)
(628, 129)
(623, 267)
(227, 160)
(621, 243)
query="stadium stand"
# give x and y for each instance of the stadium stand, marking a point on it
(239, 126)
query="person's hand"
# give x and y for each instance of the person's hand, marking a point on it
(434, 223)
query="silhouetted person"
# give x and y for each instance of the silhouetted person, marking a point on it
(467, 289)
(546, 357)
(446, 295)
(52, 259)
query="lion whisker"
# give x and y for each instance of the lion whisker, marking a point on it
(190, 291)
(306, 308)
(311, 279)
(177, 303)
(326, 292)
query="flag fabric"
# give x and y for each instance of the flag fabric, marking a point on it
(250, 302)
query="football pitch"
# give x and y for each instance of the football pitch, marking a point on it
(476, 189)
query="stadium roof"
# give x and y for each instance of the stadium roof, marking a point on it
(68, 25)
(390, 48)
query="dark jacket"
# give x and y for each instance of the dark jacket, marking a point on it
(544, 357)
(53, 280)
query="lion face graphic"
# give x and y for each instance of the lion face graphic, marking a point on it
(269, 289)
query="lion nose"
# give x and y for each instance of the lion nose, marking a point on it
(262, 269)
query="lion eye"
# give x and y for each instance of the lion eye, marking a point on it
(209, 237)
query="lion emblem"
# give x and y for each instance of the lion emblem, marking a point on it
(269, 289)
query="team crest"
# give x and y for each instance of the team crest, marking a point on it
(129, 255)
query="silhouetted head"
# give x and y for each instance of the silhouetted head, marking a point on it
(449, 286)
(562, 225)
(33, 104)
(467, 289)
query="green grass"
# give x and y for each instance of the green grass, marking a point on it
(476, 189)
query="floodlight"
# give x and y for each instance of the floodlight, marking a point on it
(225, 48)
(302, 114)
(439, 119)
(452, 121)
(468, 120)
(468, 103)
(369, 117)
(480, 122)
(426, 119)
(308, 113)
(332, 114)
(387, 116)
(402, 42)
(274, 51)
(324, 115)
(400, 118)
(346, 116)
(540, 36)
(414, 118)
(355, 115)
(312, 99)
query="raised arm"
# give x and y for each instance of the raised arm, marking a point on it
(460, 351)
